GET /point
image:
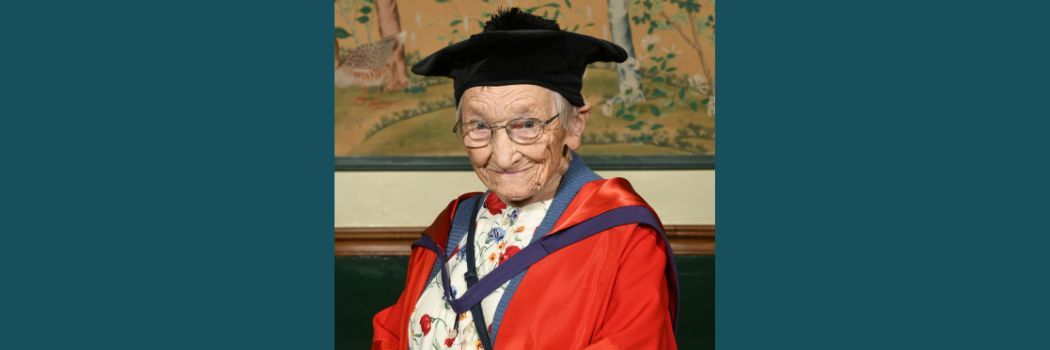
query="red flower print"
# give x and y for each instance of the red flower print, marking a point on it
(449, 341)
(511, 250)
(425, 323)
(493, 204)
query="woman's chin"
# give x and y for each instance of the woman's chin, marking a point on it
(513, 197)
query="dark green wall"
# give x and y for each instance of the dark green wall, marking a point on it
(364, 285)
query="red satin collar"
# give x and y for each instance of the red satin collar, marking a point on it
(597, 197)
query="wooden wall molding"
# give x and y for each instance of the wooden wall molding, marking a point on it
(369, 241)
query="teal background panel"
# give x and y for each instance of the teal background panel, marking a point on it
(166, 177)
(883, 175)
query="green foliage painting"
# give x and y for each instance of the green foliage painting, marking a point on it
(660, 102)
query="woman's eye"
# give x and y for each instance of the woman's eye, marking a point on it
(529, 124)
(476, 125)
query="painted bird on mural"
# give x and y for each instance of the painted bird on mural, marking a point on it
(368, 65)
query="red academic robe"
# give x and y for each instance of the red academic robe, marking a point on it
(608, 291)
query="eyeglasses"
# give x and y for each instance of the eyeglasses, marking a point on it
(523, 131)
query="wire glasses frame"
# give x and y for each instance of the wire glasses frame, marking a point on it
(522, 131)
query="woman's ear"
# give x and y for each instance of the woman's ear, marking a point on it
(575, 132)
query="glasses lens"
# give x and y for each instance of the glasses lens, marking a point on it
(526, 130)
(476, 134)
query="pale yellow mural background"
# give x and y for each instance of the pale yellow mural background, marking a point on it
(417, 119)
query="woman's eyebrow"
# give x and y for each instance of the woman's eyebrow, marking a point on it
(469, 112)
(530, 111)
(474, 111)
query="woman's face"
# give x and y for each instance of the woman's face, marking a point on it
(520, 174)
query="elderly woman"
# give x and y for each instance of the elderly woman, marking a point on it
(552, 256)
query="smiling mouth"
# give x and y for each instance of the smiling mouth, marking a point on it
(510, 172)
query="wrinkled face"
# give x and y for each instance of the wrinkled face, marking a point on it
(520, 174)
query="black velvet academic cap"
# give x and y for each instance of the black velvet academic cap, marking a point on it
(519, 48)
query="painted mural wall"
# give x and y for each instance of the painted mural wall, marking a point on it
(660, 102)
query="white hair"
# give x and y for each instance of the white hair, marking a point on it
(566, 111)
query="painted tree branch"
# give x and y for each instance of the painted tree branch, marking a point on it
(627, 75)
(349, 24)
(390, 25)
(695, 44)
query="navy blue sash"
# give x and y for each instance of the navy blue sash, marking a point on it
(547, 245)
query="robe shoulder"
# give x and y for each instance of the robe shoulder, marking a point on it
(597, 197)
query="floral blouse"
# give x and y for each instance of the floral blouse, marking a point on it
(501, 232)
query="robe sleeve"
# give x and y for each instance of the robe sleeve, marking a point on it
(383, 338)
(390, 325)
(385, 335)
(638, 316)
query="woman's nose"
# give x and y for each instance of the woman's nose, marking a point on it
(504, 150)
